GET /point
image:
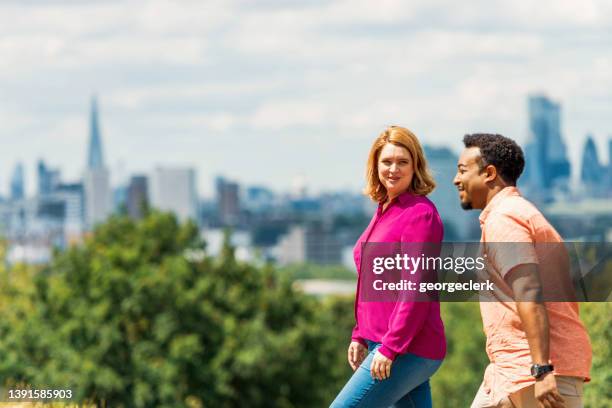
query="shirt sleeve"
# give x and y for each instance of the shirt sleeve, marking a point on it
(355, 336)
(508, 243)
(408, 318)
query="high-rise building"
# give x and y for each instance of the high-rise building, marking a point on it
(48, 178)
(72, 194)
(228, 201)
(313, 243)
(592, 174)
(174, 189)
(609, 173)
(18, 183)
(259, 199)
(547, 166)
(98, 194)
(458, 223)
(95, 158)
(137, 196)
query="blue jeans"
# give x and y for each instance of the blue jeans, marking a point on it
(408, 385)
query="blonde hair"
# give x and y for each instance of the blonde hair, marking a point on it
(422, 182)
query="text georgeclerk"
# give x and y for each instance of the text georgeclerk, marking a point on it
(407, 285)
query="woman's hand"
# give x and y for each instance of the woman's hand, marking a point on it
(357, 352)
(381, 367)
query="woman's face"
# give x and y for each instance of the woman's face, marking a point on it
(395, 169)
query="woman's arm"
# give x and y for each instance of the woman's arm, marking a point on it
(355, 336)
(409, 317)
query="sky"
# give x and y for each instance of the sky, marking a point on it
(285, 93)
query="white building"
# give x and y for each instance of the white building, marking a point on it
(174, 189)
(240, 240)
(291, 247)
(98, 196)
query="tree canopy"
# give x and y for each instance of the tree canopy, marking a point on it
(140, 316)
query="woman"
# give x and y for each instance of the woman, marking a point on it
(396, 346)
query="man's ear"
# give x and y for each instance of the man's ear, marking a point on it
(490, 173)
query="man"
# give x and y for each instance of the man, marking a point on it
(539, 354)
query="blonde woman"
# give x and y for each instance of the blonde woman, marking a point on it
(396, 346)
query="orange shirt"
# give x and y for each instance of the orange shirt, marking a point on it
(509, 218)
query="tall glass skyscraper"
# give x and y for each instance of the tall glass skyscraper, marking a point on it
(95, 158)
(547, 168)
(18, 183)
(592, 172)
(458, 223)
(48, 178)
(96, 181)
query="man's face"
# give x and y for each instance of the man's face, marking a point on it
(471, 180)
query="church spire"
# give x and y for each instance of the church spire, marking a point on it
(95, 158)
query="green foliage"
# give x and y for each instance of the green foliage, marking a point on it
(128, 320)
(138, 317)
(456, 382)
(312, 271)
(597, 319)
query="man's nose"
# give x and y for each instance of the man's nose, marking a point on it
(456, 180)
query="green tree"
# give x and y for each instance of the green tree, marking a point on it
(456, 382)
(596, 317)
(132, 318)
(137, 316)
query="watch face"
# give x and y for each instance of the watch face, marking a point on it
(538, 370)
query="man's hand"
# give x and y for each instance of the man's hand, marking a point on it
(546, 392)
(381, 367)
(357, 352)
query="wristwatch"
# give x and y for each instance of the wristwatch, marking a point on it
(538, 370)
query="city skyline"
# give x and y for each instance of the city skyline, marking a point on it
(296, 84)
(95, 145)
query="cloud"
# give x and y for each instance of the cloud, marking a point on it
(182, 77)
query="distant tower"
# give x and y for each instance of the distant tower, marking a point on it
(592, 173)
(18, 183)
(137, 196)
(609, 186)
(228, 202)
(98, 196)
(457, 222)
(48, 179)
(174, 189)
(95, 158)
(547, 168)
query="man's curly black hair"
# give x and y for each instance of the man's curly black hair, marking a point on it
(499, 151)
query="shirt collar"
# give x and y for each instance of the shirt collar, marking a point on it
(496, 200)
(403, 199)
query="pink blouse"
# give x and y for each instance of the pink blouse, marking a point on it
(401, 327)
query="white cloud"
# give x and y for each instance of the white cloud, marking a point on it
(188, 75)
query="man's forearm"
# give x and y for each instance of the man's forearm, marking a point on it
(534, 319)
